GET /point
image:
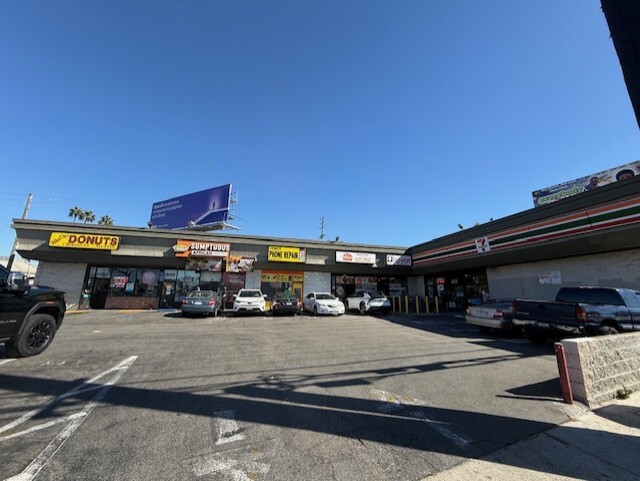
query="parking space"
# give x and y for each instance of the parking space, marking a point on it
(152, 395)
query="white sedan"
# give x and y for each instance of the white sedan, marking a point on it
(323, 303)
(364, 301)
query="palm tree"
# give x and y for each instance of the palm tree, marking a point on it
(76, 213)
(89, 216)
(105, 220)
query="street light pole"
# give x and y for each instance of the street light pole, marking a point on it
(15, 242)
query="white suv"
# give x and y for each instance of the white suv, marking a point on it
(249, 300)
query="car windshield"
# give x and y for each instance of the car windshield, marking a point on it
(377, 295)
(249, 294)
(325, 297)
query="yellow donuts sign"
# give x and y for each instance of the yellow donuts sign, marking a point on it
(84, 241)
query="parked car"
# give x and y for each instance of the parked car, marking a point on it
(579, 311)
(323, 303)
(206, 303)
(285, 303)
(368, 301)
(492, 314)
(249, 301)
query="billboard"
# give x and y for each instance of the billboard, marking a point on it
(584, 184)
(202, 208)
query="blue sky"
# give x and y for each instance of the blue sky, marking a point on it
(395, 120)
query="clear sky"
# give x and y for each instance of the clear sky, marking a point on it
(395, 120)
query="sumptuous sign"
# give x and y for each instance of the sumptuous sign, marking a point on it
(355, 257)
(192, 210)
(286, 254)
(583, 184)
(84, 241)
(186, 248)
(396, 260)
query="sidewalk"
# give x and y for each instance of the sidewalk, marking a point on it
(600, 445)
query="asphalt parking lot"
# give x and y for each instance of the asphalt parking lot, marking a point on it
(151, 395)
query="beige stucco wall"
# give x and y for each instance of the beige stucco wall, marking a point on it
(539, 280)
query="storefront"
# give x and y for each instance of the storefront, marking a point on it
(112, 267)
(343, 285)
(458, 290)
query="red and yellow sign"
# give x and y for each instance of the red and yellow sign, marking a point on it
(186, 248)
(84, 241)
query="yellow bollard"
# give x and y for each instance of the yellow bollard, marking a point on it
(406, 304)
(417, 305)
(437, 306)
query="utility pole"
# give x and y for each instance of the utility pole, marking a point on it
(322, 228)
(15, 242)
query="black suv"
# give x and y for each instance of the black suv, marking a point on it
(29, 315)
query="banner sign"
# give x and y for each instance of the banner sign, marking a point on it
(395, 260)
(355, 257)
(213, 265)
(240, 264)
(584, 184)
(84, 241)
(192, 210)
(286, 254)
(186, 248)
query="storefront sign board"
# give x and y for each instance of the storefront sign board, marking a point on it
(398, 260)
(355, 257)
(185, 248)
(287, 254)
(84, 241)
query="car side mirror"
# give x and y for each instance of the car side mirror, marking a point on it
(265, 296)
(17, 282)
(234, 296)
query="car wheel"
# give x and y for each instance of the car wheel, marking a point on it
(607, 330)
(363, 308)
(315, 310)
(38, 333)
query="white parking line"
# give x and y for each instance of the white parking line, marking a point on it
(45, 456)
(6, 361)
(394, 402)
(227, 428)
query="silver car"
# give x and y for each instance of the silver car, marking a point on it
(204, 303)
(493, 314)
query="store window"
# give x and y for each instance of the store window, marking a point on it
(186, 281)
(272, 283)
(123, 281)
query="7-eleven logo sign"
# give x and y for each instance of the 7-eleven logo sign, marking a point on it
(482, 245)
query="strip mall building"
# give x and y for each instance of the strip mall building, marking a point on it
(589, 239)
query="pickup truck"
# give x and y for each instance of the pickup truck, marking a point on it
(579, 311)
(29, 315)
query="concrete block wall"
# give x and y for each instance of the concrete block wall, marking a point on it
(612, 269)
(316, 282)
(253, 279)
(64, 276)
(599, 366)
